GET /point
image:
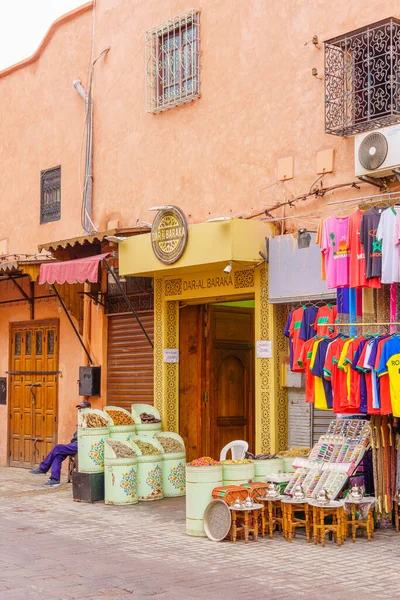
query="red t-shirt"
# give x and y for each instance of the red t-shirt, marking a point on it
(384, 383)
(294, 334)
(332, 373)
(357, 255)
(325, 321)
(368, 382)
(354, 396)
(304, 363)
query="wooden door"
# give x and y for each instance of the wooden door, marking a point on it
(216, 375)
(230, 377)
(33, 391)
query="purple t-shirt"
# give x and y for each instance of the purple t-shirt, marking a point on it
(307, 329)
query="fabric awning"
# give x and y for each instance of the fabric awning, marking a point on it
(72, 271)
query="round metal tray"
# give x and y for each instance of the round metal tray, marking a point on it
(217, 520)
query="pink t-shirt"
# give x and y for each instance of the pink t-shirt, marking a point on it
(337, 255)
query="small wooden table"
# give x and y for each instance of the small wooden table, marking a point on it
(245, 520)
(291, 521)
(365, 508)
(271, 514)
(334, 509)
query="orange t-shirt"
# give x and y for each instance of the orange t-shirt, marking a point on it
(294, 333)
(325, 321)
(333, 373)
(357, 255)
(304, 363)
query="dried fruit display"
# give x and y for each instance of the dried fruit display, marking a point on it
(230, 461)
(146, 448)
(121, 450)
(120, 418)
(170, 445)
(204, 461)
(94, 420)
(296, 451)
(148, 418)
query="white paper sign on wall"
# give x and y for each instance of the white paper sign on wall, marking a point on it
(264, 349)
(171, 355)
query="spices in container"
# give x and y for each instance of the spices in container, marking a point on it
(149, 418)
(243, 461)
(120, 418)
(94, 421)
(204, 461)
(121, 450)
(146, 448)
(296, 451)
(170, 445)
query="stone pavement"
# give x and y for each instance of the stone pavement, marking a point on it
(54, 548)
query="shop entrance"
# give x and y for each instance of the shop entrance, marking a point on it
(33, 391)
(216, 376)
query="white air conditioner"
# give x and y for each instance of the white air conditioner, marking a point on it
(377, 153)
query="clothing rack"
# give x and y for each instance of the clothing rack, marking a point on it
(354, 324)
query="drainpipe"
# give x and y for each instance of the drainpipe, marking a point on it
(86, 219)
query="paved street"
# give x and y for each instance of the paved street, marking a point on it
(54, 548)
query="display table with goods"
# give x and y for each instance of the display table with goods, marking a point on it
(174, 463)
(295, 513)
(147, 419)
(328, 518)
(359, 515)
(120, 473)
(92, 433)
(202, 476)
(121, 423)
(149, 467)
(245, 518)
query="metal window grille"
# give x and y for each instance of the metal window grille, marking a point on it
(173, 62)
(362, 79)
(50, 195)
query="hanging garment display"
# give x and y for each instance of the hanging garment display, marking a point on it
(386, 233)
(334, 247)
(372, 246)
(357, 277)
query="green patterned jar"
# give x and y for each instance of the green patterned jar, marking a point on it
(150, 481)
(91, 449)
(120, 478)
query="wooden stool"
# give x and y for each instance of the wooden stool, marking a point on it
(291, 520)
(271, 515)
(245, 520)
(335, 510)
(365, 507)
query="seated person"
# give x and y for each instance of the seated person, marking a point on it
(59, 453)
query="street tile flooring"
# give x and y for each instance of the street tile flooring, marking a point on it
(54, 548)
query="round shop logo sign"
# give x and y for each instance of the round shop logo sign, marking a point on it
(169, 234)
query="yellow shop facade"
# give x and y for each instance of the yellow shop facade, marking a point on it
(218, 344)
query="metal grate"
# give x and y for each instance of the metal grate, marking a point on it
(362, 79)
(173, 62)
(50, 195)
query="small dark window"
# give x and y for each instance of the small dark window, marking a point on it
(50, 195)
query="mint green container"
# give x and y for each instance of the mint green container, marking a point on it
(174, 468)
(262, 468)
(237, 474)
(200, 482)
(91, 443)
(288, 464)
(120, 478)
(148, 429)
(120, 432)
(149, 471)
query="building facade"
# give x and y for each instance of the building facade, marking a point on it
(227, 110)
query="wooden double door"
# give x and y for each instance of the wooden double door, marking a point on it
(33, 391)
(216, 402)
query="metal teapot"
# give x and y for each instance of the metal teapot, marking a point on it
(323, 497)
(356, 492)
(298, 493)
(272, 491)
(249, 502)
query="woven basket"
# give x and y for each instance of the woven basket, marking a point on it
(256, 489)
(229, 493)
(217, 520)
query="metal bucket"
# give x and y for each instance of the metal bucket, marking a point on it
(237, 474)
(200, 482)
(91, 449)
(262, 468)
(174, 474)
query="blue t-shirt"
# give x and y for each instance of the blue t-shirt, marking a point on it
(308, 329)
(391, 347)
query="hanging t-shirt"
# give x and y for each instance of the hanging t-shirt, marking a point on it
(319, 390)
(332, 373)
(308, 329)
(294, 333)
(353, 375)
(318, 371)
(358, 389)
(357, 277)
(386, 232)
(372, 246)
(334, 248)
(374, 376)
(286, 332)
(385, 400)
(326, 319)
(390, 363)
(304, 363)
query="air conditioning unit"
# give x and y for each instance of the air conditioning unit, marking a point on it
(377, 153)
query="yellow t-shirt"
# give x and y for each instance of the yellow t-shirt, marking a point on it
(320, 402)
(393, 369)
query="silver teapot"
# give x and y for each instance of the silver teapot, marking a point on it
(237, 503)
(356, 492)
(323, 497)
(298, 493)
(272, 491)
(249, 502)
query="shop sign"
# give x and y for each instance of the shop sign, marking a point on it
(171, 355)
(206, 283)
(169, 234)
(264, 349)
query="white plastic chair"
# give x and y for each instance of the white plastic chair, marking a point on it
(238, 449)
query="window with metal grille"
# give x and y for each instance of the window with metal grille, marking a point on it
(50, 195)
(362, 79)
(173, 62)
